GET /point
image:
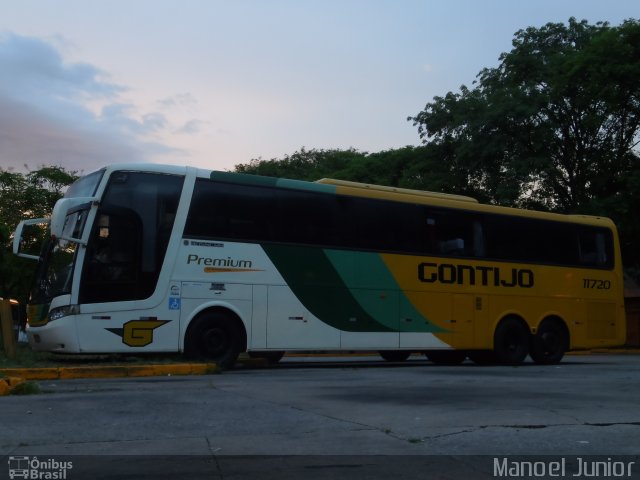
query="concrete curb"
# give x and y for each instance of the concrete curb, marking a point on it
(607, 351)
(116, 371)
(157, 370)
(9, 384)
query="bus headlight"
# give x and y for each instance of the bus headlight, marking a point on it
(60, 312)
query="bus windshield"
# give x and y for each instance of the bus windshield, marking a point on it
(55, 271)
(85, 186)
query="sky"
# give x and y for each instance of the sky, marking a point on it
(216, 83)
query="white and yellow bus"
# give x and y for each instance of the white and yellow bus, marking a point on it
(156, 258)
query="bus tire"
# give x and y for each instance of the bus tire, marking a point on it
(550, 343)
(214, 336)
(446, 357)
(395, 355)
(271, 357)
(511, 341)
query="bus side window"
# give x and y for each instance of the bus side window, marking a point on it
(237, 212)
(454, 233)
(594, 248)
(451, 247)
(478, 239)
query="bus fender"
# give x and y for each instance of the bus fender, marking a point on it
(510, 314)
(551, 316)
(214, 305)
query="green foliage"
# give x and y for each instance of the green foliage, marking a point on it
(303, 165)
(25, 195)
(555, 126)
(423, 168)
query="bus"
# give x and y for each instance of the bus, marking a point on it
(157, 258)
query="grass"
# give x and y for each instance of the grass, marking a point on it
(26, 388)
(25, 358)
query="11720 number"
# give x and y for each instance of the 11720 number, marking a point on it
(596, 284)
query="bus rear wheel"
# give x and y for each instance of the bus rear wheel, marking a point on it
(511, 342)
(446, 357)
(394, 355)
(214, 336)
(549, 343)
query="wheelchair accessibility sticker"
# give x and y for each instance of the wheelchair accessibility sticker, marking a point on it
(174, 303)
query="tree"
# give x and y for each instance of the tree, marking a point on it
(30, 195)
(554, 126)
(420, 168)
(560, 116)
(304, 164)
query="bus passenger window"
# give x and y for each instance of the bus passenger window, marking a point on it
(454, 233)
(594, 250)
(453, 246)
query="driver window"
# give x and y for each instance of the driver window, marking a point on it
(129, 239)
(112, 265)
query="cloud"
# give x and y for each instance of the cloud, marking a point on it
(121, 116)
(181, 105)
(192, 127)
(29, 136)
(34, 69)
(179, 100)
(46, 118)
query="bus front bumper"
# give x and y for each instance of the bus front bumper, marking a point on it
(57, 336)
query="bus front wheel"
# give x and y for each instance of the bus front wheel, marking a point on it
(214, 336)
(511, 341)
(549, 343)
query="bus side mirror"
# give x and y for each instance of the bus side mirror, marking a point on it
(69, 217)
(17, 236)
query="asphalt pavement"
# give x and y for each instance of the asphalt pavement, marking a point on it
(322, 417)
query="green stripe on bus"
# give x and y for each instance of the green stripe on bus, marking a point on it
(243, 179)
(257, 180)
(308, 186)
(315, 282)
(351, 291)
(374, 287)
